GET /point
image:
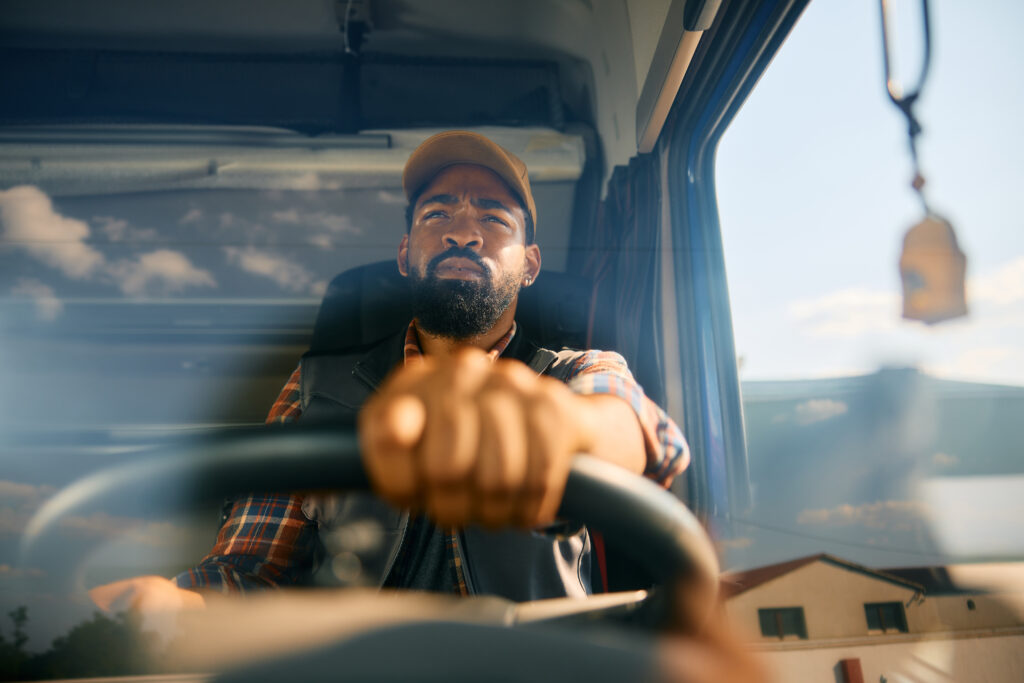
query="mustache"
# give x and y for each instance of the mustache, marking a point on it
(458, 252)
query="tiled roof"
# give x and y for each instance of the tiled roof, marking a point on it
(734, 583)
(936, 580)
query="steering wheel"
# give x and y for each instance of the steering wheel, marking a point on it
(642, 519)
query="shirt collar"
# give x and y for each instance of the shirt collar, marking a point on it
(413, 350)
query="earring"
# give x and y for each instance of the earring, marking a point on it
(529, 281)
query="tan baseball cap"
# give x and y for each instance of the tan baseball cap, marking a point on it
(463, 147)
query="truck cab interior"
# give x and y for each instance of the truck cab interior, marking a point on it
(181, 185)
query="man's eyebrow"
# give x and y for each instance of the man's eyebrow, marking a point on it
(485, 203)
(440, 199)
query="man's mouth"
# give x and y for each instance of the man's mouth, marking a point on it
(456, 267)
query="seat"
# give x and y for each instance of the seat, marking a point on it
(367, 303)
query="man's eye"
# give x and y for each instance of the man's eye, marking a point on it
(495, 219)
(433, 214)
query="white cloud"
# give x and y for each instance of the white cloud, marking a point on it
(818, 410)
(318, 288)
(287, 274)
(736, 543)
(999, 364)
(103, 525)
(321, 220)
(289, 216)
(847, 313)
(164, 270)
(9, 572)
(19, 501)
(892, 515)
(119, 230)
(113, 228)
(193, 215)
(857, 312)
(977, 516)
(1002, 286)
(309, 181)
(29, 221)
(322, 241)
(48, 306)
(13, 490)
(391, 197)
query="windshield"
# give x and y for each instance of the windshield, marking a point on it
(873, 440)
(173, 209)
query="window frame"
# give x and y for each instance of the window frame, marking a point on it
(726, 66)
(899, 613)
(777, 615)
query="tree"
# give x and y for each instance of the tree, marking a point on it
(13, 658)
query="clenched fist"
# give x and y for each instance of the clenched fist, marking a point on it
(470, 440)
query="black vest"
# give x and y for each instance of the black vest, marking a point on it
(367, 533)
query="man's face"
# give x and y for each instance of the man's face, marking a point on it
(465, 253)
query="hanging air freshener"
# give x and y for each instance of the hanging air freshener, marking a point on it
(932, 269)
(932, 266)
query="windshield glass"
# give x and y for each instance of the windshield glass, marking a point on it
(878, 440)
(139, 305)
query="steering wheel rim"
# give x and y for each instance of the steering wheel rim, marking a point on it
(641, 518)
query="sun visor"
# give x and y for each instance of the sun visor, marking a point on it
(98, 160)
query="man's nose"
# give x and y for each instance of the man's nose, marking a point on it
(463, 232)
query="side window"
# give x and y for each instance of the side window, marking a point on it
(887, 617)
(782, 622)
(869, 436)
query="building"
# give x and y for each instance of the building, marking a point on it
(822, 618)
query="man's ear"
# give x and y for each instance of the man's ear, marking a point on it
(403, 256)
(532, 268)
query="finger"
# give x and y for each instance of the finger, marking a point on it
(448, 447)
(389, 431)
(449, 506)
(547, 462)
(446, 458)
(111, 595)
(450, 438)
(502, 459)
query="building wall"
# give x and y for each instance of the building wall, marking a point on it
(998, 659)
(995, 610)
(833, 599)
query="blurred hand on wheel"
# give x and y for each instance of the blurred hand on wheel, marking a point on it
(701, 645)
(145, 594)
(470, 440)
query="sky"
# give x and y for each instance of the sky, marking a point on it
(814, 197)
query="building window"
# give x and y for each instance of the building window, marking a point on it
(886, 617)
(970, 604)
(782, 622)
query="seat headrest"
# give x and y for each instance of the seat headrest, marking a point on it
(367, 303)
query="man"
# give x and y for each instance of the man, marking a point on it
(473, 427)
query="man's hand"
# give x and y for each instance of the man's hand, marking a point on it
(145, 594)
(469, 440)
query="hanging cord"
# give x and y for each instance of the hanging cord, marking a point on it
(905, 100)
(348, 18)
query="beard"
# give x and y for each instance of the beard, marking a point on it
(460, 309)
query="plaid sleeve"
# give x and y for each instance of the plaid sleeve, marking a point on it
(288, 405)
(605, 372)
(264, 540)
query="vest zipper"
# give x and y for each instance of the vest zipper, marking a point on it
(372, 382)
(461, 553)
(394, 553)
(365, 377)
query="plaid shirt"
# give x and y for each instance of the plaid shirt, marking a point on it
(266, 540)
